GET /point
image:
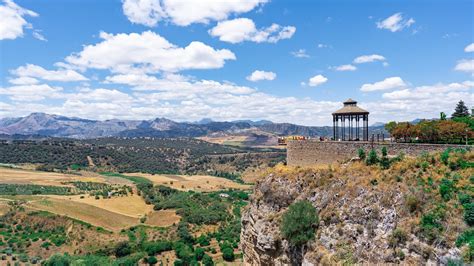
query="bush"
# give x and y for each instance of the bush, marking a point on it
(446, 188)
(361, 153)
(397, 237)
(298, 223)
(467, 237)
(372, 158)
(122, 249)
(151, 260)
(469, 214)
(228, 254)
(444, 157)
(199, 253)
(207, 260)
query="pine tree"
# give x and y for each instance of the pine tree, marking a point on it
(461, 110)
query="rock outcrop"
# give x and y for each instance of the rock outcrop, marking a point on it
(364, 217)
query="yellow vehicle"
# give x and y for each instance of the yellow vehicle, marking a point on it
(284, 140)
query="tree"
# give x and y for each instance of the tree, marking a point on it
(461, 110)
(228, 254)
(390, 126)
(361, 153)
(442, 116)
(207, 260)
(299, 222)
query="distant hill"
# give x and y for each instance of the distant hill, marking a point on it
(48, 125)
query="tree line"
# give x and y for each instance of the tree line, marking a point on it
(459, 129)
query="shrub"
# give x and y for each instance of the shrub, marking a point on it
(298, 223)
(469, 214)
(151, 260)
(228, 254)
(372, 158)
(397, 237)
(446, 188)
(199, 253)
(467, 237)
(412, 203)
(207, 260)
(361, 153)
(464, 198)
(444, 157)
(122, 249)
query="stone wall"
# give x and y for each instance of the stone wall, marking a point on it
(313, 152)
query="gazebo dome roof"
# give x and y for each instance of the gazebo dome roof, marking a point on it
(350, 108)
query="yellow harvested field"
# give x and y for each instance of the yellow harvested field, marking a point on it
(192, 182)
(131, 205)
(162, 218)
(22, 176)
(84, 212)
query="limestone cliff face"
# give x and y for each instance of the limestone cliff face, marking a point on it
(358, 216)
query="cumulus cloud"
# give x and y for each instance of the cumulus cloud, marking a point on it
(301, 53)
(258, 75)
(244, 29)
(317, 80)
(348, 67)
(465, 65)
(29, 73)
(395, 22)
(469, 48)
(147, 52)
(368, 59)
(184, 13)
(386, 84)
(183, 98)
(13, 20)
(31, 92)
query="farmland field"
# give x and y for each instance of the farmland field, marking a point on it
(22, 176)
(203, 183)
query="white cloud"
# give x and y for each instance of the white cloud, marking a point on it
(301, 53)
(13, 20)
(322, 45)
(317, 80)
(184, 13)
(31, 92)
(39, 36)
(37, 72)
(395, 22)
(23, 81)
(386, 84)
(147, 52)
(465, 65)
(261, 75)
(469, 48)
(348, 67)
(368, 59)
(244, 29)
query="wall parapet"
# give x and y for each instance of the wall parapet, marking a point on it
(314, 152)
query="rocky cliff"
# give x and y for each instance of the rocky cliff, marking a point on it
(366, 214)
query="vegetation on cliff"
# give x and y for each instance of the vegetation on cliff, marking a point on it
(393, 210)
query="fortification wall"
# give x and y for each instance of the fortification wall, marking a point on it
(313, 152)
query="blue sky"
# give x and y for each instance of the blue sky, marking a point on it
(286, 61)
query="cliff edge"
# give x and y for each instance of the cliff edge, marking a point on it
(413, 211)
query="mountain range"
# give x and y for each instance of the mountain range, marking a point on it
(50, 125)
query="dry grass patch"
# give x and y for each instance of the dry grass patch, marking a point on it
(162, 218)
(131, 205)
(84, 212)
(22, 176)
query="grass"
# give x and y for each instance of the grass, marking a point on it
(135, 179)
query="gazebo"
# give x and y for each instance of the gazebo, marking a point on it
(352, 114)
